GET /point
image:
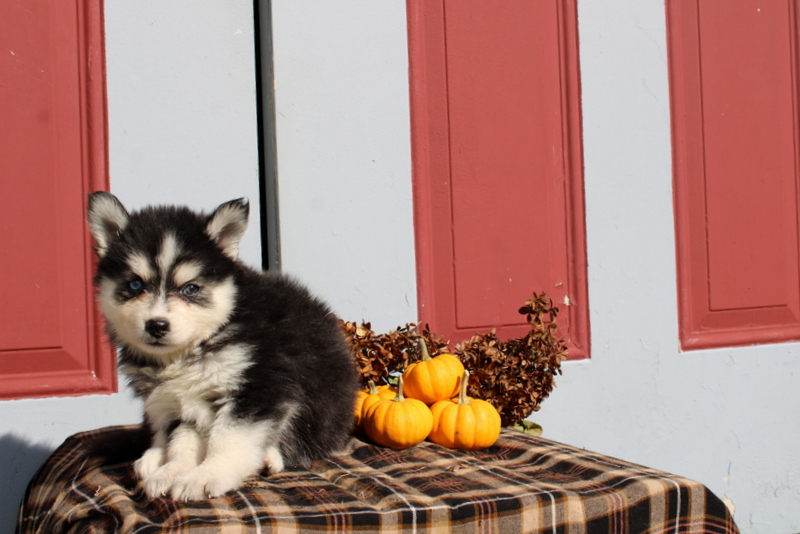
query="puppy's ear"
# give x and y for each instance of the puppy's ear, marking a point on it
(227, 224)
(107, 218)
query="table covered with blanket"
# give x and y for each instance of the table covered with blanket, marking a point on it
(521, 484)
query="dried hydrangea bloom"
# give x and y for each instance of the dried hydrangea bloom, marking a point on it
(515, 375)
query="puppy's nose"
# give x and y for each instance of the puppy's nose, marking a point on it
(157, 327)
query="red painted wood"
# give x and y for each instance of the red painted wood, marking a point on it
(497, 164)
(733, 76)
(53, 152)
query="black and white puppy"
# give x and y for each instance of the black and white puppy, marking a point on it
(238, 369)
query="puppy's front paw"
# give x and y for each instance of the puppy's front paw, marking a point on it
(160, 481)
(151, 460)
(189, 487)
(222, 485)
(204, 482)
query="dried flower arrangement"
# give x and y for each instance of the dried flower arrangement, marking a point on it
(380, 357)
(518, 374)
(514, 375)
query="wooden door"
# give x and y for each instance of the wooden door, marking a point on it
(52, 154)
(497, 164)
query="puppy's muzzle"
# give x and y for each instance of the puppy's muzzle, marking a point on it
(157, 328)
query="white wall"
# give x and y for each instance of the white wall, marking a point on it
(182, 106)
(344, 167)
(182, 128)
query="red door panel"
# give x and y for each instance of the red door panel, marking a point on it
(52, 152)
(497, 164)
(734, 96)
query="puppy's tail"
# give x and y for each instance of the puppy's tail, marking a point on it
(119, 444)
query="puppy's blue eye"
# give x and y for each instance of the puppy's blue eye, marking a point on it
(136, 285)
(190, 290)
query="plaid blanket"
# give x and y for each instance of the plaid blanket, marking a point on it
(522, 484)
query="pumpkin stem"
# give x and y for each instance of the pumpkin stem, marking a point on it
(373, 390)
(399, 396)
(462, 391)
(424, 347)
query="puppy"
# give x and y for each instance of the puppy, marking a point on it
(238, 369)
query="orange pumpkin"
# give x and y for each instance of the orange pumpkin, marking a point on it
(398, 423)
(368, 397)
(465, 423)
(433, 379)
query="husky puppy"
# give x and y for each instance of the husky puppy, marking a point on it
(238, 370)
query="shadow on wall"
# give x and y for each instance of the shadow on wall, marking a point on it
(19, 461)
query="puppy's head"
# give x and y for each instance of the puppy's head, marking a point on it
(165, 274)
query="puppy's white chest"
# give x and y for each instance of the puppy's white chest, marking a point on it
(193, 391)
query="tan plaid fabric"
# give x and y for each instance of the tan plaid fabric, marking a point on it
(522, 484)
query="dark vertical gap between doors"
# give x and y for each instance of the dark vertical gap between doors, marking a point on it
(267, 154)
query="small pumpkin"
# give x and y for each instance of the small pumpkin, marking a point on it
(398, 423)
(465, 423)
(368, 397)
(433, 379)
